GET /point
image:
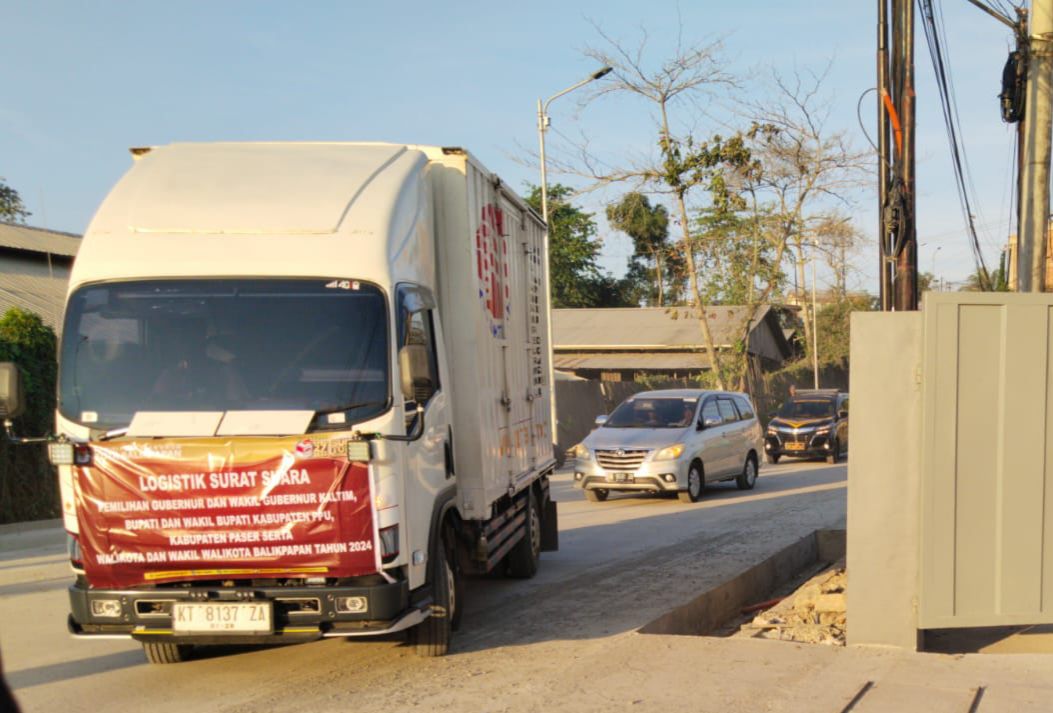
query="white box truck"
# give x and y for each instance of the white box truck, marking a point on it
(303, 389)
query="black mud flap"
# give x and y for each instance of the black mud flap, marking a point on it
(549, 527)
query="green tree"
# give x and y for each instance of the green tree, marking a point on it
(832, 328)
(27, 485)
(11, 207)
(575, 278)
(648, 227)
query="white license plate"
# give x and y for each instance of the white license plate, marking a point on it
(621, 477)
(221, 618)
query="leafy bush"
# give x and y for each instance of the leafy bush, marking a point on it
(28, 487)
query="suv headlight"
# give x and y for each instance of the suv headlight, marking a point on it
(670, 452)
(581, 452)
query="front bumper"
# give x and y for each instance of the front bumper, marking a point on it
(300, 613)
(667, 476)
(800, 445)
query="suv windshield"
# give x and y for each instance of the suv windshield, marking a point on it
(817, 408)
(218, 345)
(653, 413)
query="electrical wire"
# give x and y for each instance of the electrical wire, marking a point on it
(950, 119)
(859, 117)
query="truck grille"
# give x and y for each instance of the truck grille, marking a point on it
(621, 460)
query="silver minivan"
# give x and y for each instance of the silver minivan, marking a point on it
(674, 440)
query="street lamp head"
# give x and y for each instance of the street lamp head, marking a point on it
(599, 74)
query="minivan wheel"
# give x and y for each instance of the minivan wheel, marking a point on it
(597, 495)
(835, 452)
(696, 483)
(772, 458)
(748, 477)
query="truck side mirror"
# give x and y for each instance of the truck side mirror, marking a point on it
(414, 374)
(11, 398)
(601, 419)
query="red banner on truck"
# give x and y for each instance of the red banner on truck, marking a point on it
(155, 511)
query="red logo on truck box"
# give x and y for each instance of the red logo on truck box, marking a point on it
(491, 258)
(213, 509)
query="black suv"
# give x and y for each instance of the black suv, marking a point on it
(811, 424)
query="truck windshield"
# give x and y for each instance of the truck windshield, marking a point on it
(820, 408)
(653, 413)
(220, 345)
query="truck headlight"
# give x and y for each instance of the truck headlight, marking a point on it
(670, 452)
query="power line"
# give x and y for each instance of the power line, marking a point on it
(950, 119)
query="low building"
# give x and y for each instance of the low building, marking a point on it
(34, 270)
(625, 344)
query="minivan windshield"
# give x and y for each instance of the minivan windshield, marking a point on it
(218, 345)
(653, 413)
(799, 408)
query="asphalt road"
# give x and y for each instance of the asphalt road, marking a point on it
(621, 564)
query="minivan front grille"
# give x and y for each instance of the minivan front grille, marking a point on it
(621, 460)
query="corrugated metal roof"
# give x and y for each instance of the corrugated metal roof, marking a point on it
(632, 360)
(24, 237)
(37, 293)
(645, 327)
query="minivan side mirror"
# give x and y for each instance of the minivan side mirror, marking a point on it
(709, 423)
(842, 413)
(414, 374)
(11, 392)
(601, 419)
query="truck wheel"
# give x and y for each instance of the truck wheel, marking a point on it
(597, 495)
(696, 483)
(772, 458)
(748, 477)
(525, 556)
(431, 637)
(166, 652)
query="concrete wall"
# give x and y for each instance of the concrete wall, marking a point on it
(884, 480)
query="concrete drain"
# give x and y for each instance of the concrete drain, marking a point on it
(814, 613)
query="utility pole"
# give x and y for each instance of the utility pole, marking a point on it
(898, 237)
(1038, 121)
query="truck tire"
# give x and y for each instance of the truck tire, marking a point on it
(431, 637)
(166, 652)
(525, 556)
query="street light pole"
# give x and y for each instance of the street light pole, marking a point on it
(815, 319)
(933, 271)
(542, 127)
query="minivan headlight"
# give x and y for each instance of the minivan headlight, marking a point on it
(581, 452)
(670, 452)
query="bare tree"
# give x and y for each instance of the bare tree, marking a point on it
(808, 167)
(682, 165)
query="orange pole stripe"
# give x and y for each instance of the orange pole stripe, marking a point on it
(894, 118)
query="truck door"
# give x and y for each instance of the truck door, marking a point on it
(428, 458)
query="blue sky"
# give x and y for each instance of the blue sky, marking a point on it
(85, 81)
